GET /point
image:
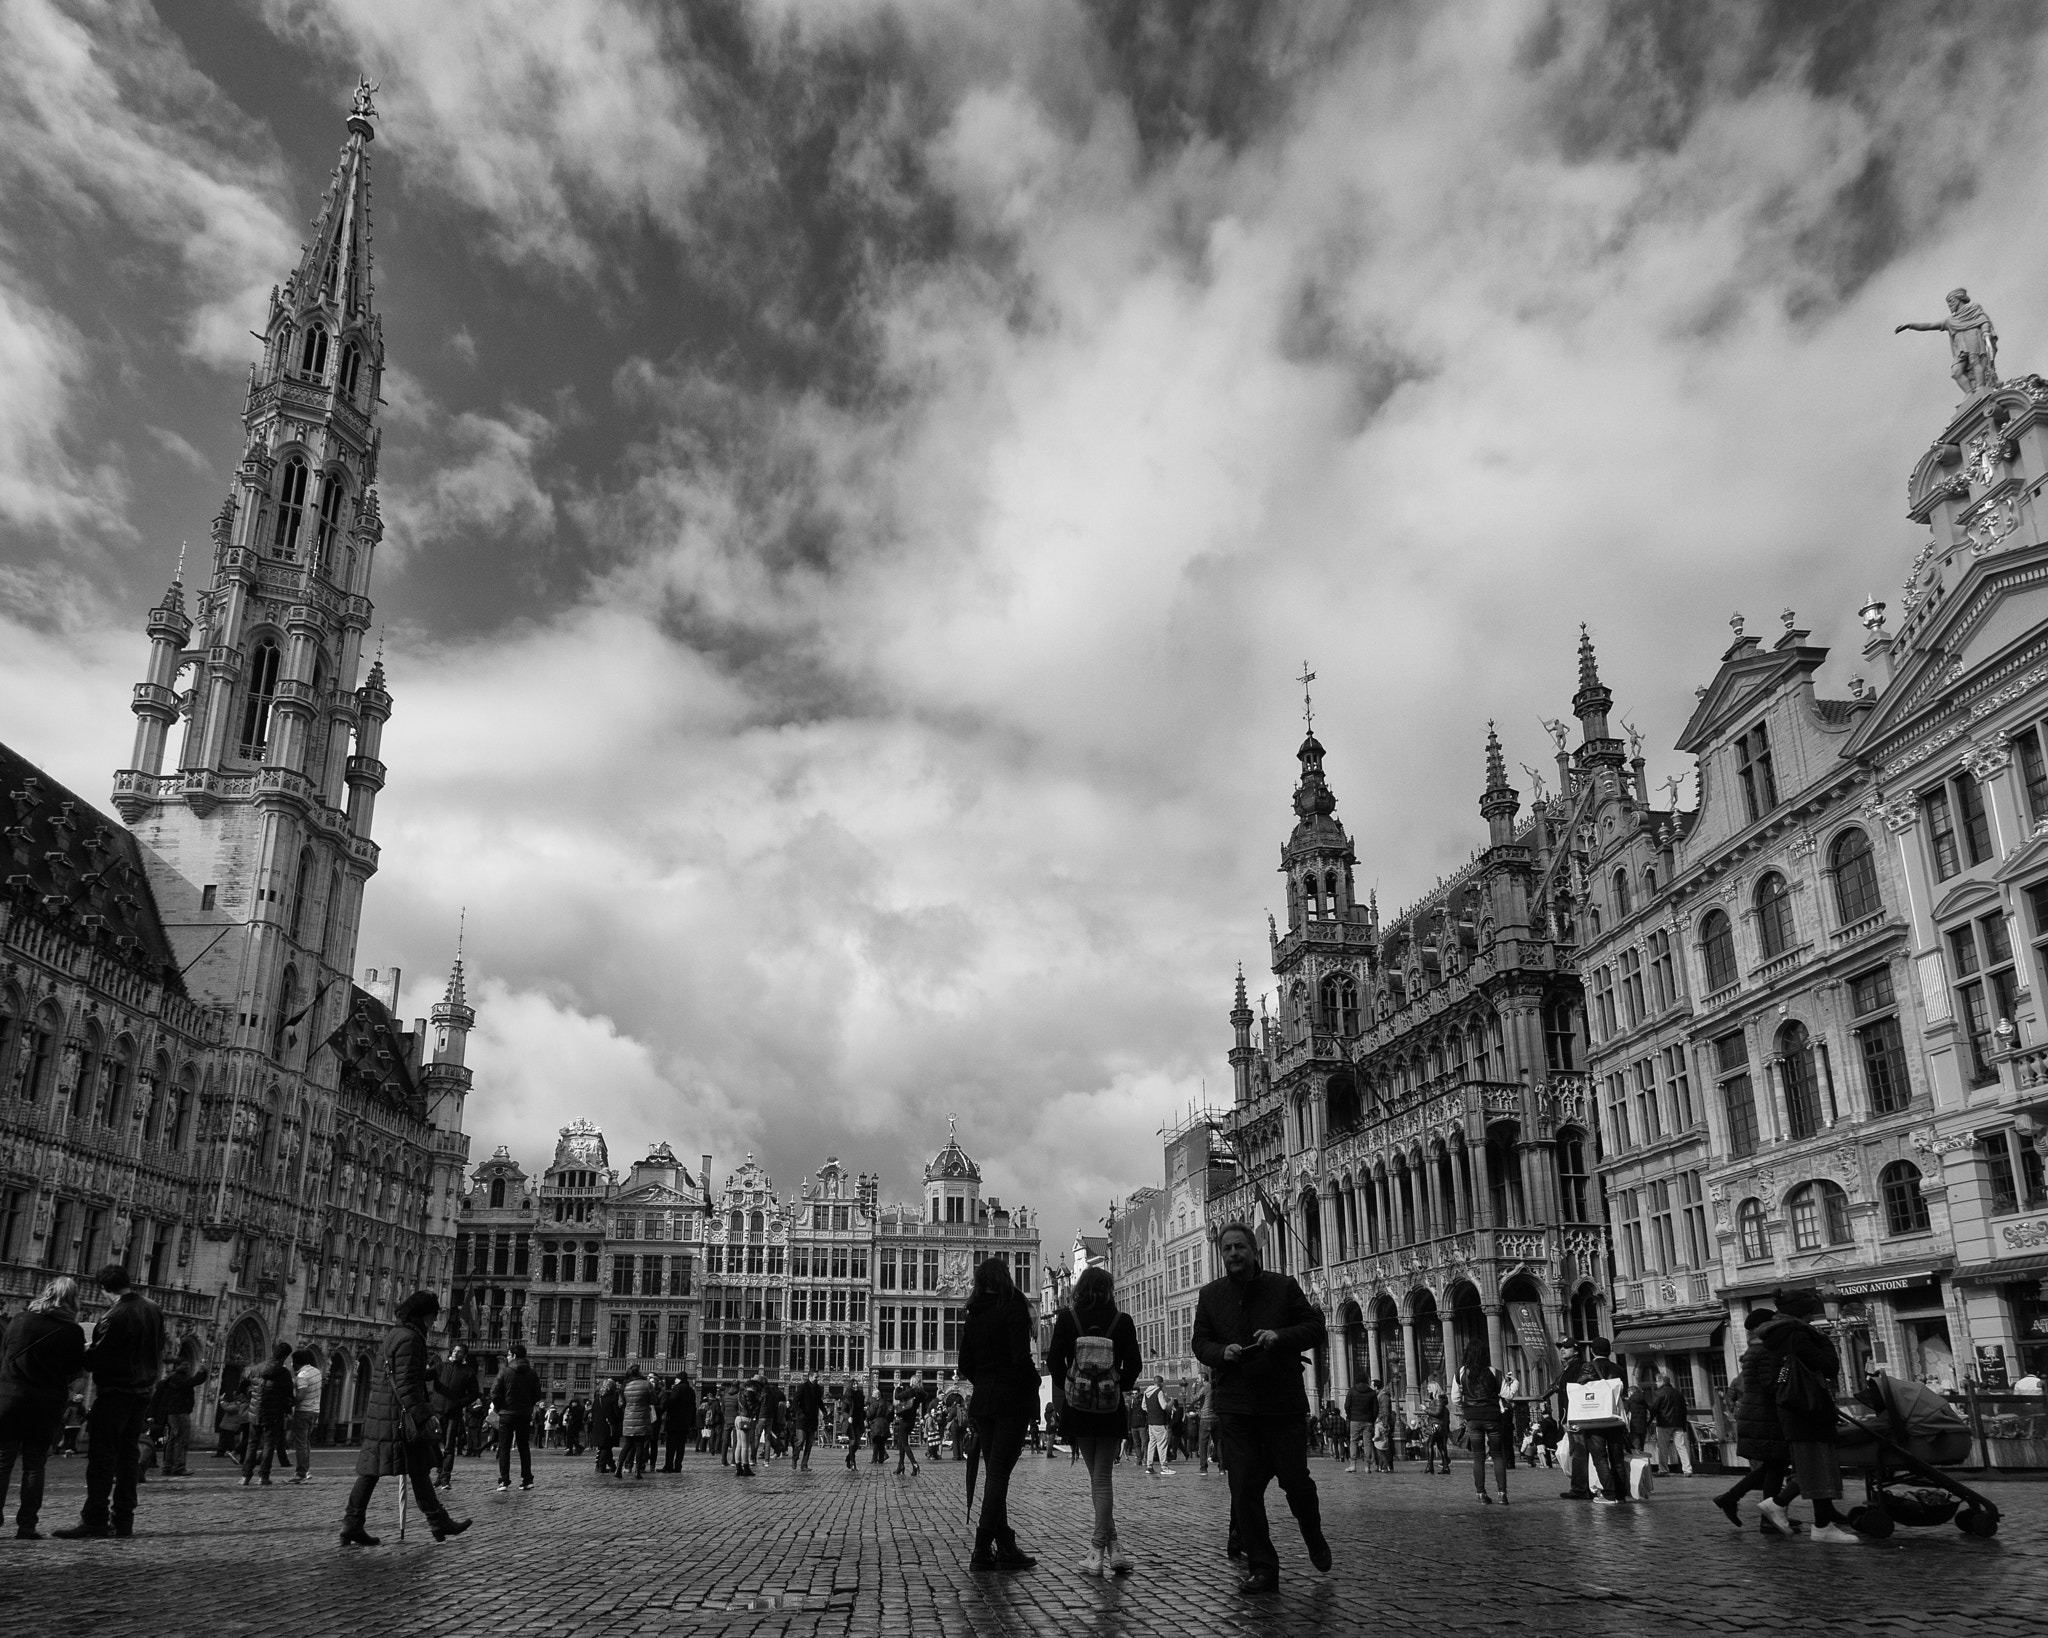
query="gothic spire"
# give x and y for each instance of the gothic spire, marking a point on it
(335, 264)
(1499, 802)
(1591, 703)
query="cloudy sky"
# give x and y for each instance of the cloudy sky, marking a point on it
(861, 477)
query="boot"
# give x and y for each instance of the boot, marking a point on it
(1009, 1556)
(444, 1527)
(354, 1535)
(984, 1551)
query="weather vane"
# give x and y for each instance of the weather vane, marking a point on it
(1308, 704)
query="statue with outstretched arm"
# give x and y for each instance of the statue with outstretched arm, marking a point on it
(1972, 342)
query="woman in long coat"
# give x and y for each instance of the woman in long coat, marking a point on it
(995, 1355)
(398, 1429)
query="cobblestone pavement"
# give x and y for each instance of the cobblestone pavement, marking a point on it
(830, 1553)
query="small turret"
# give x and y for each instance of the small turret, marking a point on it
(1499, 802)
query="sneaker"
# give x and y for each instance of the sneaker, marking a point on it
(1091, 1563)
(1835, 1533)
(526, 1484)
(1776, 1521)
(502, 1484)
(1166, 1473)
(1115, 1558)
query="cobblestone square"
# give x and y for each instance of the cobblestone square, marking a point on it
(867, 1553)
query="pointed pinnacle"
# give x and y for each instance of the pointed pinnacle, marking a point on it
(1496, 766)
(1589, 668)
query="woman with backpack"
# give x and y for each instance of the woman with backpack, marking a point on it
(1486, 1423)
(995, 1356)
(1094, 1361)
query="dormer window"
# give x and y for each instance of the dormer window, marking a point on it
(1754, 769)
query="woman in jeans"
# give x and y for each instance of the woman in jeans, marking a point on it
(1096, 1434)
(1486, 1424)
(995, 1355)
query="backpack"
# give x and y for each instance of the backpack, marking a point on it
(1092, 1383)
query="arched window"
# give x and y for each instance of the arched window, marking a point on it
(1774, 932)
(351, 367)
(1802, 1080)
(262, 695)
(1621, 900)
(1820, 1216)
(1311, 900)
(116, 1071)
(291, 508)
(1649, 881)
(1717, 944)
(1312, 1227)
(1339, 996)
(331, 910)
(1855, 870)
(497, 1192)
(313, 355)
(299, 886)
(1330, 893)
(1905, 1207)
(1752, 1231)
(757, 1225)
(332, 492)
(1342, 1108)
(1573, 1188)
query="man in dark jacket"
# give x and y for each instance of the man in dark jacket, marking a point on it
(678, 1422)
(455, 1390)
(1251, 1329)
(40, 1355)
(273, 1409)
(514, 1396)
(398, 1427)
(176, 1398)
(856, 1421)
(1361, 1410)
(125, 1359)
(806, 1404)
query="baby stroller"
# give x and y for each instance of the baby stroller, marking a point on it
(1894, 1430)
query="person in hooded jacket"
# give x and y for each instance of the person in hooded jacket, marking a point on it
(398, 1426)
(636, 1423)
(41, 1354)
(1759, 1436)
(275, 1395)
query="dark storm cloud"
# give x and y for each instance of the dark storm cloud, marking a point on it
(861, 476)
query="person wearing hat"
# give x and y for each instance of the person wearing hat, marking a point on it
(398, 1428)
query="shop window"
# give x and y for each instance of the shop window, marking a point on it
(1752, 1232)
(1905, 1207)
(1987, 989)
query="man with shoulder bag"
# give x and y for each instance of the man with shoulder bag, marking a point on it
(1593, 1411)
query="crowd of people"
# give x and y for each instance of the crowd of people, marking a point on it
(1248, 1414)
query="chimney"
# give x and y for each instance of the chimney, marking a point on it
(707, 1182)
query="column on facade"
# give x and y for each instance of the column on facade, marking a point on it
(1411, 1357)
(1450, 1335)
(1496, 1342)
(1461, 1187)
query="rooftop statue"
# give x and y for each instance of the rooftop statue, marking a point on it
(1972, 343)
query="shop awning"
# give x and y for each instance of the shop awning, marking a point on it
(2003, 1270)
(1670, 1335)
(1677, 1336)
